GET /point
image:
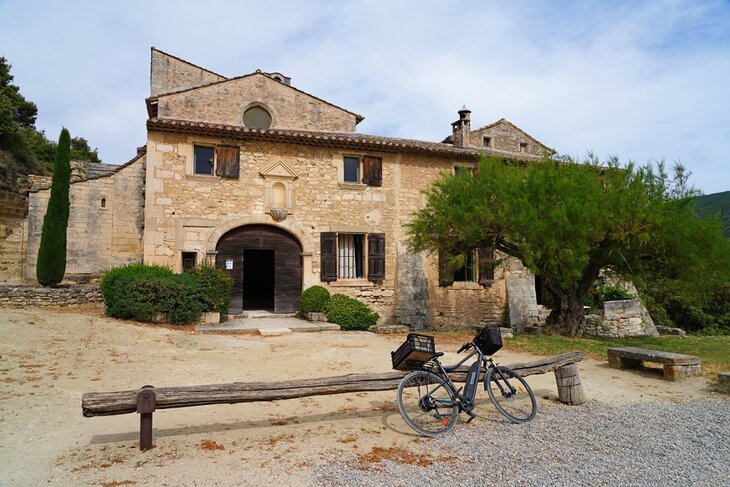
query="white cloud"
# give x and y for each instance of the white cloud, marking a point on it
(640, 80)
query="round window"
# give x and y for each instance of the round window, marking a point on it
(256, 118)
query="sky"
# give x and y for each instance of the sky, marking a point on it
(646, 81)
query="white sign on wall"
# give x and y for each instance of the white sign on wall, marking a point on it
(229, 264)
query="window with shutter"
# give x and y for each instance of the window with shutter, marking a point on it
(486, 266)
(328, 259)
(203, 160)
(446, 274)
(227, 161)
(372, 170)
(376, 256)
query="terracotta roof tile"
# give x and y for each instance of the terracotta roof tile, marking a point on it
(325, 139)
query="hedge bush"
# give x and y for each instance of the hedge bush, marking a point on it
(215, 284)
(139, 292)
(314, 300)
(350, 313)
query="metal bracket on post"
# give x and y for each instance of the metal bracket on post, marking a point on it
(146, 402)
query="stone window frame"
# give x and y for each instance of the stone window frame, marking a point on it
(470, 166)
(341, 172)
(272, 113)
(361, 282)
(487, 141)
(103, 203)
(523, 147)
(190, 160)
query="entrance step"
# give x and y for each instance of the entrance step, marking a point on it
(274, 332)
(249, 325)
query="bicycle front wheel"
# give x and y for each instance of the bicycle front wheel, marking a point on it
(510, 394)
(427, 403)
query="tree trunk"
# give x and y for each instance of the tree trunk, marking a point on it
(568, 315)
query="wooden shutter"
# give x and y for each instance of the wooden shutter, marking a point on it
(486, 265)
(446, 273)
(328, 259)
(376, 256)
(372, 170)
(227, 161)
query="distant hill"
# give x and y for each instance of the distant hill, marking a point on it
(716, 203)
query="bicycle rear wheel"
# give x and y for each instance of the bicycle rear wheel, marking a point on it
(427, 403)
(510, 394)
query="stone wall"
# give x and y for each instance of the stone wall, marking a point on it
(623, 318)
(13, 208)
(105, 223)
(506, 137)
(168, 74)
(22, 296)
(189, 213)
(225, 103)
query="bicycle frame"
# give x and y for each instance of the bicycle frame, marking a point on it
(466, 401)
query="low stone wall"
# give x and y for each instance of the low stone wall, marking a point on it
(22, 296)
(623, 318)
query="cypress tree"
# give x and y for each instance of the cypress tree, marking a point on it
(51, 265)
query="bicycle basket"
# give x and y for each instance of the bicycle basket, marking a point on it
(489, 340)
(414, 352)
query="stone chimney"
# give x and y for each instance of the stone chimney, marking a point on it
(462, 128)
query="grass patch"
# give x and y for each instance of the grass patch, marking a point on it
(711, 349)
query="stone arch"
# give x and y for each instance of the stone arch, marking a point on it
(305, 240)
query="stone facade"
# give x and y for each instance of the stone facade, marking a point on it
(13, 209)
(104, 227)
(160, 209)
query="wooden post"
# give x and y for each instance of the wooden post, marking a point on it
(570, 389)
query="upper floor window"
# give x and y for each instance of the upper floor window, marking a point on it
(487, 142)
(351, 172)
(204, 160)
(523, 147)
(256, 118)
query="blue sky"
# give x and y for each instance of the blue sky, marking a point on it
(642, 80)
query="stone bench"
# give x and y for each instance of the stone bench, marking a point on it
(675, 365)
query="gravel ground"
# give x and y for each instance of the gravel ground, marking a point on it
(644, 444)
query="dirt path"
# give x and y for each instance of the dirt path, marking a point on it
(49, 358)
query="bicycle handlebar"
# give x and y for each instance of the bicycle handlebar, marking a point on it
(464, 347)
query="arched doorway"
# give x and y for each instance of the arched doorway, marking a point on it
(265, 263)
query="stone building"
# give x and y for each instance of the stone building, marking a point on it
(278, 187)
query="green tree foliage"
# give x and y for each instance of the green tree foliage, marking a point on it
(51, 264)
(23, 148)
(566, 221)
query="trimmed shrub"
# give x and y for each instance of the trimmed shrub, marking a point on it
(314, 300)
(51, 265)
(215, 285)
(350, 313)
(139, 291)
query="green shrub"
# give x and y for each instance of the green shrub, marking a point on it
(350, 313)
(615, 293)
(215, 285)
(314, 300)
(139, 291)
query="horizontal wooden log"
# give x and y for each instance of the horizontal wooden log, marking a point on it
(124, 402)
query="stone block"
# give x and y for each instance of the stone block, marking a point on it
(620, 309)
(723, 382)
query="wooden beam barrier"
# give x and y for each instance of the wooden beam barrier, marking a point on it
(125, 402)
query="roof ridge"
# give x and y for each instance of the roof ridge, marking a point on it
(358, 117)
(153, 48)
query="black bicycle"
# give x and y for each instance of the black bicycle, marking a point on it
(428, 399)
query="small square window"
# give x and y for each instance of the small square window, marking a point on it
(188, 261)
(204, 159)
(351, 172)
(523, 146)
(459, 170)
(487, 142)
